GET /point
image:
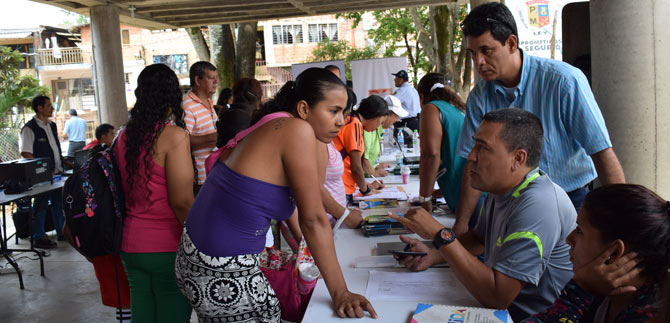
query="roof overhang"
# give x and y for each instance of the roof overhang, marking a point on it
(164, 14)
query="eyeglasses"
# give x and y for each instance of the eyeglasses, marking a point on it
(488, 20)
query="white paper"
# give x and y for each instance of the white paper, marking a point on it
(390, 193)
(392, 179)
(376, 262)
(419, 286)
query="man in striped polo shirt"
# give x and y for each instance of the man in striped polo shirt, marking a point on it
(200, 116)
(577, 147)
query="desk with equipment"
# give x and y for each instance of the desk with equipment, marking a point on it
(24, 178)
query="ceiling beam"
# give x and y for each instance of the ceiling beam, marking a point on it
(207, 5)
(211, 11)
(228, 17)
(334, 9)
(301, 5)
(247, 18)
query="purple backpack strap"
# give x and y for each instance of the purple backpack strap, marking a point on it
(213, 157)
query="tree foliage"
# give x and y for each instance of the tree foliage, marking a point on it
(17, 89)
(430, 37)
(396, 30)
(342, 50)
(75, 19)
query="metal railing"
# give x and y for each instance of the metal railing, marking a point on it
(62, 56)
(271, 78)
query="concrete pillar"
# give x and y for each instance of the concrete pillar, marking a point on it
(108, 64)
(629, 43)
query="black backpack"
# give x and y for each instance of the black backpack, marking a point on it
(94, 206)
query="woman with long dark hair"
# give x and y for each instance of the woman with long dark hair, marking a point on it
(260, 175)
(248, 91)
(247, 96)
(620, 252)
(154, 158)
(441, 122)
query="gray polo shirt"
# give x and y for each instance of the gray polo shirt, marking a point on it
(524, 233)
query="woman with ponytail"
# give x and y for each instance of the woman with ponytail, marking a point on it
(442, 114)
(260, 175)
(154, 158)
(620, 252)
(351, 144)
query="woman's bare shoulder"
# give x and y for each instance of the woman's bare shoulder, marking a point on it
(171, 137)
(174, 132)
(294, 128)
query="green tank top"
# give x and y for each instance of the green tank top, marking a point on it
(450, 182)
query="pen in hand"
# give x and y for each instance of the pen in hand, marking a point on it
(376, 179)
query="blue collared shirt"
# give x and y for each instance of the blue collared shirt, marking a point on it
(409, 98)
(75, 128)
(561, 97)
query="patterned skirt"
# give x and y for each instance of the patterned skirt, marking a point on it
(225, 289)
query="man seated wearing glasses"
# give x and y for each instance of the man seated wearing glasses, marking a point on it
(577, 147)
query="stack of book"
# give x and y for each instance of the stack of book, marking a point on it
(380, 225)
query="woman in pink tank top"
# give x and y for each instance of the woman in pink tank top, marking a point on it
(155, 163)
(333, 192)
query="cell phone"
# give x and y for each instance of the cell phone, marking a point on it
(406, 253)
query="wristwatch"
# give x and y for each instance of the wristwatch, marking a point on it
(424, 199)
(444, 237)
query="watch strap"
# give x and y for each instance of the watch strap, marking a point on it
(444, 237)
(424, 199)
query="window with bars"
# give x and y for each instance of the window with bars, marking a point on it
(287, 34)
(322, 32)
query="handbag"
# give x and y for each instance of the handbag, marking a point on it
(281, 271)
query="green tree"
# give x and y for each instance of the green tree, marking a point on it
(342, 50)
(430, 36)
(75, 19)
(396, 30)
(17, 89)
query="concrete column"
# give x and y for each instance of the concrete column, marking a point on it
(108, 64)
(629, 43)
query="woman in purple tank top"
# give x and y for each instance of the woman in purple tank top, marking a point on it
(262, 174)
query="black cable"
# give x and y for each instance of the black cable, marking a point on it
(405, 161)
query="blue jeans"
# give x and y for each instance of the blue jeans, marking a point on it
(577, 197)
(40, 206)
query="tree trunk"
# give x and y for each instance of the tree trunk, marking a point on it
(223, 54)
(443, 38)
(467, 76)
(424, 37)
(245, 60)
(199, 43)
(410, 55)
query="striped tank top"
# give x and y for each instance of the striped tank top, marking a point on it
(333, 182)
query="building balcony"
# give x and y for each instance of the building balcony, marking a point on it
(61, 56)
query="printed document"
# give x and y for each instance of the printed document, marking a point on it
(440, 286)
